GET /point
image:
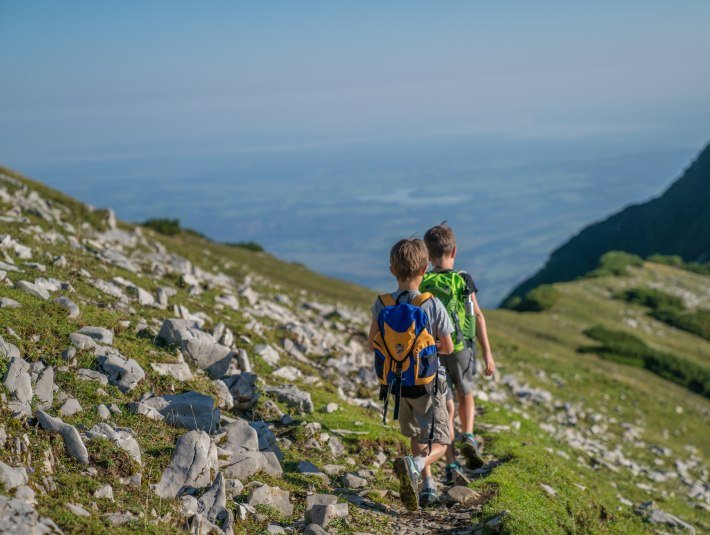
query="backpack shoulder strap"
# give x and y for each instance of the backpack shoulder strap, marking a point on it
(387, 300)
(420, 299)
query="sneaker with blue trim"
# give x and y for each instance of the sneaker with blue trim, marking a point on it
(453, 473)
(409, 477)
(469, 449)
(428, 498)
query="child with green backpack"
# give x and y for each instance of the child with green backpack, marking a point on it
(408, 331)
(457, 292)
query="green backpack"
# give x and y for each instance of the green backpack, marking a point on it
(449, 287)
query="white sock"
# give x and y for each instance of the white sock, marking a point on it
(429, 483)
(419, 463)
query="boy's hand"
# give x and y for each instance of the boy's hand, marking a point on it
(490, 365)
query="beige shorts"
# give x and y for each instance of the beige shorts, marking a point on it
(415, 416)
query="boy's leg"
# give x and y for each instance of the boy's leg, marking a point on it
(467, 411)
(450, 454)
(415, 419)
(461, 365)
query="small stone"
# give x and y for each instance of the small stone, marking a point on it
(70, 407)
(293, 397)
(6, 302)
(333, 469)
(314, 529)
(548, 489)
(103, 412)
(73, 311)
(72, 440)
(180, 371)
(462, 495)
(121, 372)
(33, 289)
(331, 408)
(12, 477)
(78, 510)
(272, 496)
(351, 481)
(100, 334)
(104, 491)
(118, 519)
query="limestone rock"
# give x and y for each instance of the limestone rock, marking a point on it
(33, 289)
(72, 440)
(462, 495)
(209, 356)
(44, 388)
(12, 477)
(275, 497)
(70, 407)
(17, 516)
(73, 311)
(244, 465)
(191, 410)
(240, 437)
(120, 437)
(104, 491)
(78, 510)
(19, 384)
(100, 334)
(293, 397)
(213, 502)
(91, 375)
(8, 350)
(314, 529)
(121, 372)
(180, 370)
(6, 302)
(268, 354)
(193, 461)
(351, 481)
(654, 515)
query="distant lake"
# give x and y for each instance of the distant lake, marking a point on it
(339, 209)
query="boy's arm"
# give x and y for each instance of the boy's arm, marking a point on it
(482, 335)
(371, 336)
(445, 345)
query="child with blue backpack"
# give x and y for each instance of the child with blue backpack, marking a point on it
(457, 291)
(409, 329)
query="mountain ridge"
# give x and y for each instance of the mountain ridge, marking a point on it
(677, 222)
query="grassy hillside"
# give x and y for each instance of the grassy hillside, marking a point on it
(675, 223)
(573, 443)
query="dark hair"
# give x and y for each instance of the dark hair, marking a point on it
(440, 241)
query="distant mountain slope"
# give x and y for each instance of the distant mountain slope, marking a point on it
(677, 223)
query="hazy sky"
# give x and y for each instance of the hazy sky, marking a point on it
(111, 80)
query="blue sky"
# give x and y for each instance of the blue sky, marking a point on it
(111, 80)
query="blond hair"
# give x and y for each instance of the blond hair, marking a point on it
(408, 258)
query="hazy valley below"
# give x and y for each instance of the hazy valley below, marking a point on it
(338, 209)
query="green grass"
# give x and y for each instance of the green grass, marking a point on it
(526, 464)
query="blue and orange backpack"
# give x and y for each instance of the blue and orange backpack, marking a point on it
(406, 360)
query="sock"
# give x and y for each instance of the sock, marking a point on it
(429, 483)
(419, 463)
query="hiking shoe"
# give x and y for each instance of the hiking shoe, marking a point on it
(428, 498)
(408, 482)
(453, 473)
(469, 449)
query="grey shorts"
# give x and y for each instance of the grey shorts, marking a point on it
(460, 369)
(415, 415)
